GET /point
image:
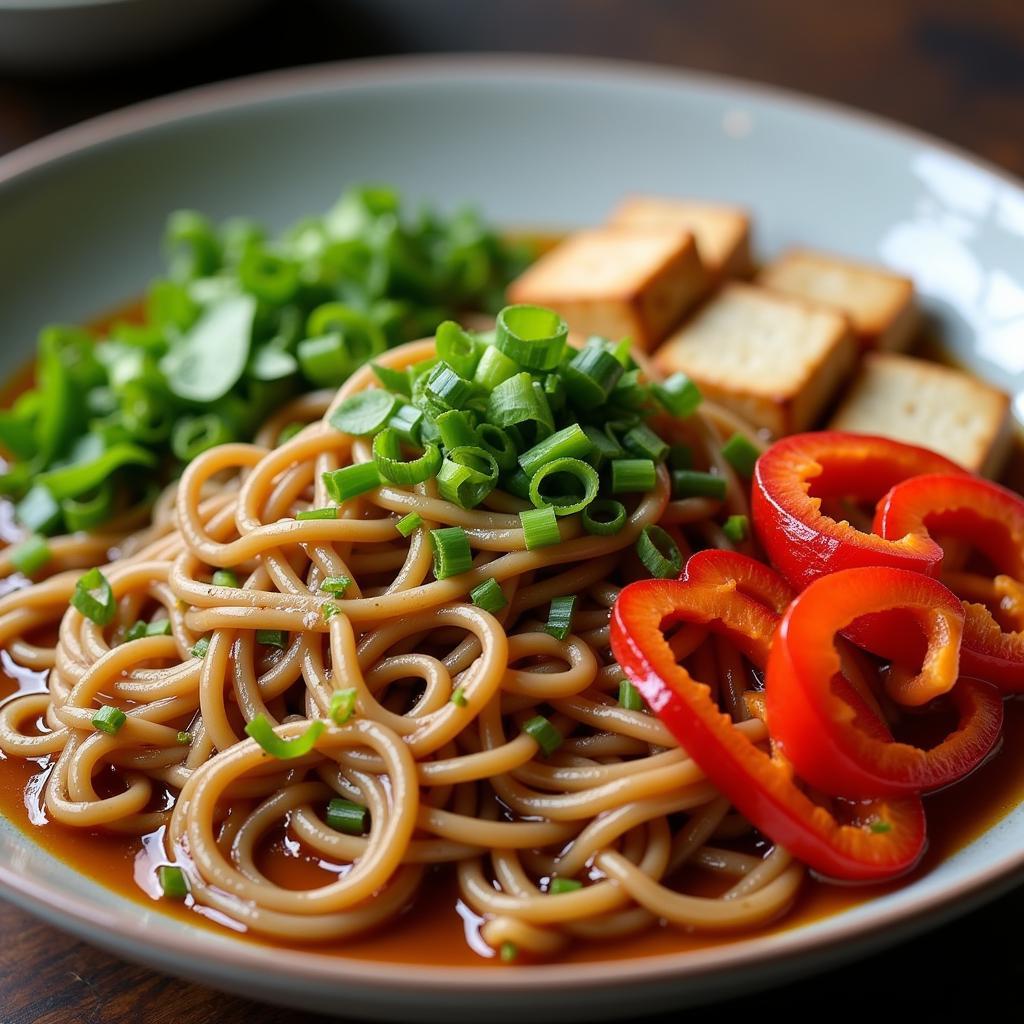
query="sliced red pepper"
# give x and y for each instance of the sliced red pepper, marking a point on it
(828, 732)
(801, 541)
(991, 519)
(736, 598)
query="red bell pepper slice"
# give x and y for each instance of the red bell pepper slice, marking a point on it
(829, 734)
(991, 519)
(736, 596)
(795, 474)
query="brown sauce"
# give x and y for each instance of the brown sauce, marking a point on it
(438, 929)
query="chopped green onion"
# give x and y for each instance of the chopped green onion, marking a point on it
(516, 401)
(517, 483)
(455, 429)
(467, 475)
(736, 528)
(346, 816)
(328, 610)
(494, 368)
(94, 598)
(645, 443)
(272, 637)
(604, 448)
(39, 510)
(459, 697)
(172, 881)
(591, 376)
(283, 750)
(363, 413)
(328, 512)
(531, 335)
(200, 648)
(689, 483)
(629, 696)
(508, 952)
(109, 719)
(680, 456)
(83, 513)
(560, 472)
(351, 481)
(741, 454)
(452, 553)
(489, 596)
(679, 395)
(224, 578)
(407, 420)
(343, 705)
(458, 348)
(496, 441)
(547, 737)
(184, 738)
(31, 555)
(540, 527)
(393, 380)
(659, 552)
(161, 627)
(558, 886)
(447, 387)
(336, 585)
(570, 442)
(559, 623)
(409, 524)
(387, 457)
(604, 518)
(629, 475)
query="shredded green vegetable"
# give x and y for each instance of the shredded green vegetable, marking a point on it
(240, 324)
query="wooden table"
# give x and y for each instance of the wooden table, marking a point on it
(951, 67)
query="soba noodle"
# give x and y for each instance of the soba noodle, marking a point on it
(619, 806)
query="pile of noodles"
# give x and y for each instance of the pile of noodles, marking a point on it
(619, 806)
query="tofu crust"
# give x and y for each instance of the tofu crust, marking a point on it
(880, 304)
(775, 360)
(931, 405)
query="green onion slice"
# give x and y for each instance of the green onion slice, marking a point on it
(570, 442)
(343, 705)
(452, 553)
(736, 528)
(548, 738)
(351, 481)
(283, 750)
(94, 598)
(489, 596)
(679, 395)
(336, 585)
(467, 475)
(533, 336)
(272, 637)
(109, 719)
(458, 697)
(172, 881)
(328, 512)
(604, 518)
(561, 473)
(409, 524)
(346, 816)
(559, 886)
(630, 475)
(540, 527)
(690, 483)
(741, 454)
(629, 696)
(559, 623)
(31, 555)
(387, 457)
(659, 553)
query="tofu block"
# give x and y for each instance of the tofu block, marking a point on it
(879, 303)
(722, 232)
(617, 282)
(930, 405)
(774, 360)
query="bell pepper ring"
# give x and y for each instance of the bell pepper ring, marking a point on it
(794, 476)
(736, 596)
(991, 519)
(827, 731)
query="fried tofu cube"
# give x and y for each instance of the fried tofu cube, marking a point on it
(722, 232)
(774, 360)
(617, 282)
(930, 405)
(879, 303)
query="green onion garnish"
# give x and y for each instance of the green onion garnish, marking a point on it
(489, 596)
(140, 629)
(540, 527)
(604, 447)
(689, 483)
(336, 585)
(452, 553)
(172, 881)
(516, 401)
(630, 475)
(532, 336)
(494, 368)
(459, 697)
(290, 430)
(409, 524)
(645, 443)
(224, 578)
(591, 375)
(363, 413)
(563, 885)
(659, 553)
(200, 648)
(31, 555)
(559, 623)
(272, 637)
(467, 475)
(497, 442)
(455, 429)
(571, 442)
(604, 518)
(351, 481)
(184, 738)
(393, 380)
(407, 422)
(447, 387)
(629, 696)
(39, 511)
(679, 395)
(680, 456)
(328, 610)
(740, 454)
(109, 720)
(548, 738)
(574, 483)
(387, 456)
(328, 512)
(94, 598)
(343, 705)
(508, 952)
(736, 528)
(284, 750)
(346, 816)
(460, 349)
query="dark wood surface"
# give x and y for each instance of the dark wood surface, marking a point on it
(954, 68)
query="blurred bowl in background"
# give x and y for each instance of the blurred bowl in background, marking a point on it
(75, 35)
